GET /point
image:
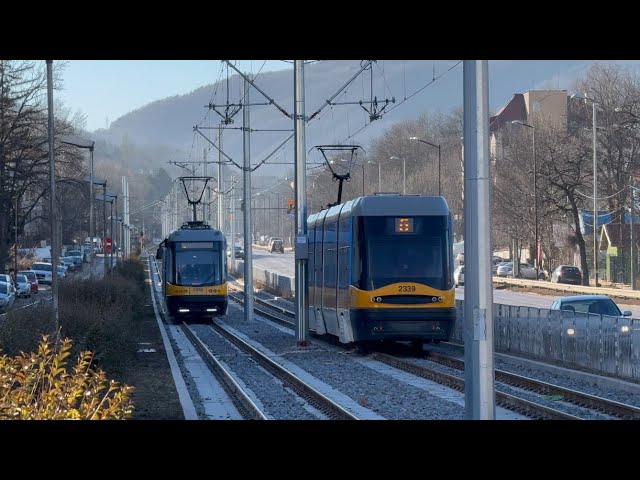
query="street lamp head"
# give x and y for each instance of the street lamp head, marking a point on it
(77, 141)
(414, 138)
(393, 157)
(519, 122)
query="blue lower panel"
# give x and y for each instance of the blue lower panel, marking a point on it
(403, 324)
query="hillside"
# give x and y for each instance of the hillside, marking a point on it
(169, 122)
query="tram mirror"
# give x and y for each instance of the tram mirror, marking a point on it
(158, 254)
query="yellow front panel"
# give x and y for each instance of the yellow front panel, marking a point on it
(176, 290)
(363, 298)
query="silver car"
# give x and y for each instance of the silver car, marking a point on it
(23, 286)
(458, 275)
(7, 297)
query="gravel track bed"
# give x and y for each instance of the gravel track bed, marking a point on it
(340, 368)
(553, 378)
(275, 401)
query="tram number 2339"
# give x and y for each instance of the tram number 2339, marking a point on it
(406, 288)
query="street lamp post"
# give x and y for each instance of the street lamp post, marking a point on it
(535, 191)
(404, 173)
(15, 247)
(80, 142)
(595, 190)
(52, 194)
(435, 146)
(379, 173)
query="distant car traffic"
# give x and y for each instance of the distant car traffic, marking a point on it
(567, 274)
(458, 275)
(77, 256)
(276, 245)
(33, 279)
(23, 286)
(42, 271)
(6, 278)
(526, 271)
(7, 297)
(595, 304)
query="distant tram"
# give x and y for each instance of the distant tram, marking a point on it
(193, 271)
(381, 269)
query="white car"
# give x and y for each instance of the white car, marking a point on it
(23, 286)
(458, 276)
(43, 272)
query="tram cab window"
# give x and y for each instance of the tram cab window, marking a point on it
(198, 267)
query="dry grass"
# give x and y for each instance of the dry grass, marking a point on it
(100, 316)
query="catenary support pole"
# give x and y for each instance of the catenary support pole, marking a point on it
(478, 295)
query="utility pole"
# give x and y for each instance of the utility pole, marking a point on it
(15, 247)
(104, 227)
(301, 248)
(233, 230)
(633, 246)
(220, 184)
(52, 195)
(207, 196)
(478, 297)
(248, 252)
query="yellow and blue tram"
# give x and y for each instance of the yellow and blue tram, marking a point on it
(194, 271)
(381, 268)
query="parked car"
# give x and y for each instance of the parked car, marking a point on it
(77, 256)
(6, 278)
(526, 271)
(567, 274)
(460, 258)
(496, 265)
(33, 279)
(458, 275)
(276, 245)
(7, 297)
(239, 252)
(596, 304)
(69, 263)
(43, 271)
(23, 286)
(62, 272)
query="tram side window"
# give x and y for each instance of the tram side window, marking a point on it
(168, 262)
(312, 237)
(344, 252)
(330, 254)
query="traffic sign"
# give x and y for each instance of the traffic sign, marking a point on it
(108, 244)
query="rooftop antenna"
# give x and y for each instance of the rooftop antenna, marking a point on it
(340, 169)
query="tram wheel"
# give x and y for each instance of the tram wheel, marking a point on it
(416, 346)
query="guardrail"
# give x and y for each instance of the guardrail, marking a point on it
(561, 287)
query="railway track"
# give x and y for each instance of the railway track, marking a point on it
(520, 405)
(241, 400)
(301, 388)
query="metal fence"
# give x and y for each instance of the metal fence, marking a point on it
(601, 343)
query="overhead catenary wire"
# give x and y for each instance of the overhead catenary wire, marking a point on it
(403, 101)
(604, 198)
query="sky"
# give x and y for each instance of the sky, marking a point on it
(104, 90)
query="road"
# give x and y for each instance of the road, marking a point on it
(283, 264)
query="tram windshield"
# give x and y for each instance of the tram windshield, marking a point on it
(196, 267)
(399, 249)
